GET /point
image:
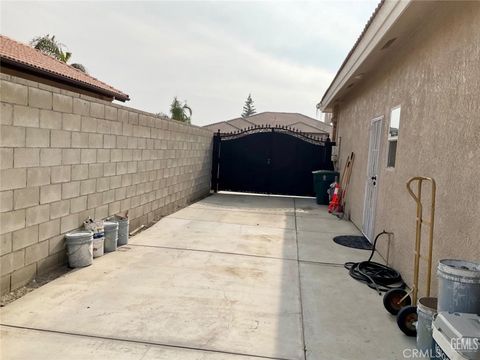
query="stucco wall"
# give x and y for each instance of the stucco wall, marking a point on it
(65, 157)
(435, 77)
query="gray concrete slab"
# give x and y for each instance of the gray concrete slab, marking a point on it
(21, 344)
(305, 206)
(237, 217)
(211, 236)
(252, 203)
(320, 247)
(222, 275)
(345, 319)
(316, 230)
(319, 224)
(182, 298)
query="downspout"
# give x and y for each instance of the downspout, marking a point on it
(334, 123)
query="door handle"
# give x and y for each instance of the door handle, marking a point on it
(374, 178)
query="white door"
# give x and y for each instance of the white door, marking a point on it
(372, 178)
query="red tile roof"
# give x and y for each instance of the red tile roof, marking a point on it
(15, 53)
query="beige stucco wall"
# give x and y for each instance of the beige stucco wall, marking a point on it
(435, 77)
(65, 157)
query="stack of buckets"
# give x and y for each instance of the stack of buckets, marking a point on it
(97, 237)
(122, 228)
(458, 292)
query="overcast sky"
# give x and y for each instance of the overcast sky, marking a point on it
(212, 54)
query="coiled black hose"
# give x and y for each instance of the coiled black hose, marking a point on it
(377, 276)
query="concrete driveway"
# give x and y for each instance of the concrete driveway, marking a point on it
(229, 277)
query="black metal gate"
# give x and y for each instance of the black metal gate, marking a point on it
(268, 160)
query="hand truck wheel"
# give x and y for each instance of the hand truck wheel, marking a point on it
(391, 300)
(407, 320)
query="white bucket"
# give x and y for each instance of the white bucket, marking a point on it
(79, 248)
(98, 247)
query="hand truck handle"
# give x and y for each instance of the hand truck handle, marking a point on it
(421, 179)
(418, 236)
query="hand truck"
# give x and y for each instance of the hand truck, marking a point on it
(399, 301)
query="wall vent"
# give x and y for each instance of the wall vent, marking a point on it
(388, 43)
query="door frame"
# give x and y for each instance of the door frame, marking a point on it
(369, 212)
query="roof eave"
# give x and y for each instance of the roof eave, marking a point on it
(64, 79)
(386, 14)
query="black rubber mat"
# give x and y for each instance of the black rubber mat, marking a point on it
(353, 241)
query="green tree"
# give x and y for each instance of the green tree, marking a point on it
(180, 111)
(50, 46)
(248, 108)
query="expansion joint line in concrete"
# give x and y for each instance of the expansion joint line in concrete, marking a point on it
(248, 210)
(299, 282)
(240, 254)
(141, 342)
(212, 252)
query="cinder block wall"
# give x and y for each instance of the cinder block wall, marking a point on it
(65, 157)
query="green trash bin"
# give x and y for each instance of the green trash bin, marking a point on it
(321, 183)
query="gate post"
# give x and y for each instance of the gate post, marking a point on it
(328, 154)
(216, 161)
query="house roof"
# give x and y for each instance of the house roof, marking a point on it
(27, 58)
(304, 127)
(240, 123)
(365, 28)
(296, 120)
(223, 126)
(387, 29)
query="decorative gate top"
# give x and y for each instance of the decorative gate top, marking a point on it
(317, 140)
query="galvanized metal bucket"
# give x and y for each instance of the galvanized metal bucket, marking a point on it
(426, 310)
(123, 229)
(458, 286)
(111, 236)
